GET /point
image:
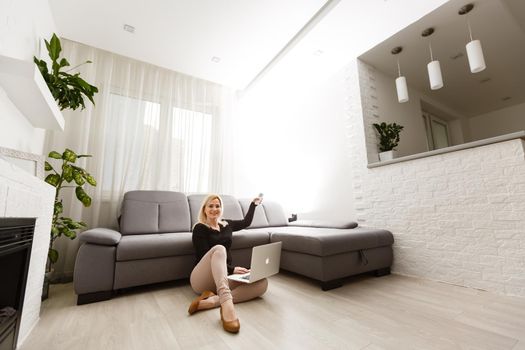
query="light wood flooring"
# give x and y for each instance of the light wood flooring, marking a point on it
(390, 312)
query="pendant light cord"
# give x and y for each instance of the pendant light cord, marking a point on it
(430, 47)
(469, 29)
(398, 68)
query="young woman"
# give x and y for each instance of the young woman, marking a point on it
(212, 240)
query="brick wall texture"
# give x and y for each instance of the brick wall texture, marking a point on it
(457, 217)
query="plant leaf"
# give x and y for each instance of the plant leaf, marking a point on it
(64, 63)
(48, 166)
(79, 180)
(73, 225)
(52, 254)
(54, 231)
(69, 155)
(53, 179)
(58, 208)
(54, 48)
(82, 196)
(90, 179)
(54, 155)
(67, 172)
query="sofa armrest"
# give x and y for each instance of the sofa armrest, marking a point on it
(101, 236)
(341, 224)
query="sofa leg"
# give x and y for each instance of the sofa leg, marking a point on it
(327, 285)
(382, 272)
(94, 297)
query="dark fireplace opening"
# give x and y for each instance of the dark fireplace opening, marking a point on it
(16, 237)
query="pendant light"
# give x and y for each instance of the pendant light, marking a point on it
(434, 68)
(476, 60)
(401, 82)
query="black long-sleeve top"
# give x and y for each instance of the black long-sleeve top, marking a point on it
(205, 237)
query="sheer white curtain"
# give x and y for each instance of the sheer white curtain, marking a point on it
(151, 129)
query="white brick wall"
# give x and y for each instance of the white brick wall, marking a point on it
(23, 195)
(457, 217)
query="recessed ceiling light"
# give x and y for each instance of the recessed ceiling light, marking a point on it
(215, 59)
(506, 98)
(129, 28)
(485, 80)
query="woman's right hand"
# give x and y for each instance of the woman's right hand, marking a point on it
(257, 200)
(240, 270)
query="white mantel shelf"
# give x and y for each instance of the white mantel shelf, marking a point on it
(501, 138)
(27, 89)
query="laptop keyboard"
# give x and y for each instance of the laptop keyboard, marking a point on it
(246, 277)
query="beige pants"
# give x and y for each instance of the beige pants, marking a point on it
(211, 274)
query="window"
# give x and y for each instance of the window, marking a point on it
(191, 134)
(147, 148)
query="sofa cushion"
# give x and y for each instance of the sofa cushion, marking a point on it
(154, 212)
(250, 238)
(259, 217)
(275, 214)
(101, 236)
(157, 245)
(231, 207)
(325, 241)
(325, 223)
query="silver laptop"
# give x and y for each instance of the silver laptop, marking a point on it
(265, 262)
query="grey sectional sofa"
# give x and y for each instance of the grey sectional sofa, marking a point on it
(154, 244)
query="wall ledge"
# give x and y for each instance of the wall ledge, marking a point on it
(484, 142)
(27, 89)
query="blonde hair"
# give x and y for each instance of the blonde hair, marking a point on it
(202, 212)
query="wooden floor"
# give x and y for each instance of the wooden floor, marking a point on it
(391, 312)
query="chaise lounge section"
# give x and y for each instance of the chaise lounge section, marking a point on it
(154, 244)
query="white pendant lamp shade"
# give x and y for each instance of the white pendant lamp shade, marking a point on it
(401, 81)
(434, 75)
(434, 68)
(402, 89)
(476, 60)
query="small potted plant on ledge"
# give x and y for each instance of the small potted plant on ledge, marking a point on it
(388, 139)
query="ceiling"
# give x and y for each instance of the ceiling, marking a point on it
(184, 36)
(498, 24)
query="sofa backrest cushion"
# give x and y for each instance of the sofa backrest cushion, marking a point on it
(275, 214)
(154, 212)
(231, 207)
(259, 217)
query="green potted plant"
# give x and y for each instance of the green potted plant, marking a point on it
(67, 89)
(388, 139)
(68, 175)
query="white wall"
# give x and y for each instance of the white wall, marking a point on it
(22, 24)
(292, 146)
(500, 122)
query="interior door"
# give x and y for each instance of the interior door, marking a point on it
(437, 131)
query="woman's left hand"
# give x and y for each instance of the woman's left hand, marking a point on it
(240, 270)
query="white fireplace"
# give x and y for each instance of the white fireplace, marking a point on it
(25, 195)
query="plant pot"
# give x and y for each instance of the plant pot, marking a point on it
(47, 280)
(388, 155)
